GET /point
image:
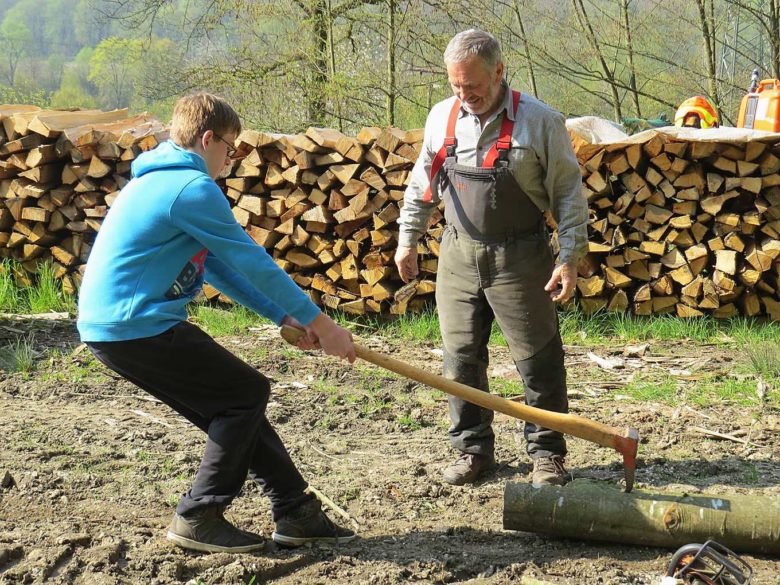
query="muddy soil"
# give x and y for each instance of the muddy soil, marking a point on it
(91, 469)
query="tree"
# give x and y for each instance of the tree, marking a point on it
(114, 68)
(624, 10)
(707, 27)
(159, 60)
(382, 62)
(59, 28)
(31, 14)
(526, 49)
(298, 48)
(23, 95)
(348, 63)
(71, 94)
(15, 38)
(88, 27)
(53, 72)
(767, 16)
(607, 72)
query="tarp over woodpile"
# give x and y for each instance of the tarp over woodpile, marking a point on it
(590, 133)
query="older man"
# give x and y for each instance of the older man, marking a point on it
(498, 160)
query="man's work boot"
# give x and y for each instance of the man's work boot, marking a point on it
(208, 531)
(308, 523)
(549, 471)
(467, 468)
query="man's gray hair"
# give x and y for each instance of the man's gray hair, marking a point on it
(473, 42)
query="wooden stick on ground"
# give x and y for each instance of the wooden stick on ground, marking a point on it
(718, 435)
(333, 506)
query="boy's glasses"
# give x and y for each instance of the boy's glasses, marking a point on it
(231, 152)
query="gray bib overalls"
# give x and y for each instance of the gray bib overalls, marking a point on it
(494, 262)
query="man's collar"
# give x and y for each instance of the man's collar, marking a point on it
(509, 101)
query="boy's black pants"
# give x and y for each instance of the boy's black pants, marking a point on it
(223, 396)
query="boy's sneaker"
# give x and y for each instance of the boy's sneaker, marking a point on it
(308, 523)
(208, 531)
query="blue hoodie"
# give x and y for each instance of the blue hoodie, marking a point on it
(169, 226)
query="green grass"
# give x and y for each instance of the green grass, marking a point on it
(65, 368)
(374, 378)
(372, 405)
(18, 356)
(717, 388)
(329, 389)
(744, 331)
(750, 475)
(420, 327)
(507, 388)
(45, 296)
(756, 342)
(408, 422)
(366, 396)
(142, 455)
(578, 328)
(764, 359)
(218, 321)
(9, 293)
(741, 392)
(327, 422)
(651, 389)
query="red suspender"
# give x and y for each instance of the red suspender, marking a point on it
(449, 140)
(504, 142)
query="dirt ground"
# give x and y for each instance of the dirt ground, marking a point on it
(91, 469)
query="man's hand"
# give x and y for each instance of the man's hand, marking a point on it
(562, 282)
(332, 338)
(306, 342)
(406, 261)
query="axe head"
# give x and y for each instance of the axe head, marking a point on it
(627, 445)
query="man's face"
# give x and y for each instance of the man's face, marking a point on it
(476, 84)
(216, 148)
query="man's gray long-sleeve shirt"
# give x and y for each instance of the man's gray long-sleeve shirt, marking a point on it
(541, 159)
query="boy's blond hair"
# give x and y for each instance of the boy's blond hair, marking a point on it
(194, 114)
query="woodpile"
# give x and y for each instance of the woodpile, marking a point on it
(325, 206)
(677, 226)
(59, 173)
(322, 203)
(683, 227)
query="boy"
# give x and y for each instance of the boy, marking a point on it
(169, 226)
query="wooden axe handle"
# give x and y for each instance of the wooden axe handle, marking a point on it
(624, 441)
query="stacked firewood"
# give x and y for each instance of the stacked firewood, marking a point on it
(688, 227)
(325, 205)
(682, 227)
(59, 173)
